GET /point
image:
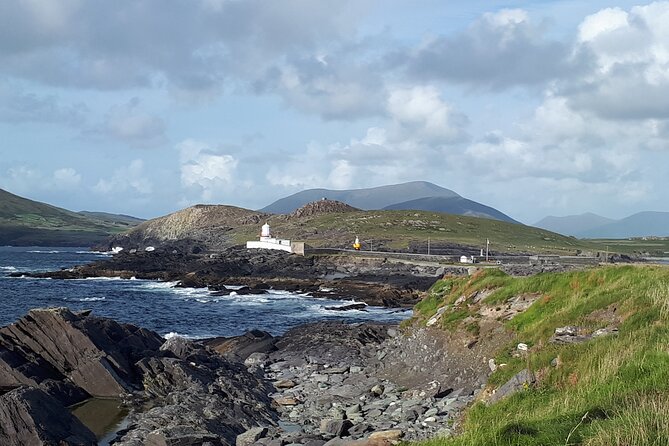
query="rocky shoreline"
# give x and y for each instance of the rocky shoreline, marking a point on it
(319, 383)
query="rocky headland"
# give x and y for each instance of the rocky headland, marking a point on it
(318, 383)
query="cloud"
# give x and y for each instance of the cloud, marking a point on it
(630, 77)
(66, 178)
(129, 124)
(17, 106)
(132, 179)
(420, 131)
(205, 174)
(192, 46)
(499, 50)
(30, 180)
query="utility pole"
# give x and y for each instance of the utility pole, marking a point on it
(428, 246)
(487, 248)
(606, 257)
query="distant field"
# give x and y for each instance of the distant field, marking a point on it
(651, 248)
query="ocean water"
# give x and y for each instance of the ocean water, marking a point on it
(158, 306)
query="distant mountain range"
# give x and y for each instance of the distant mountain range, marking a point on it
(642, 224)
(415, 195)
(25, 222)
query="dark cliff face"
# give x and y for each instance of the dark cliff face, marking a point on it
(53, 358)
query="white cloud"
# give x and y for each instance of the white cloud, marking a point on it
(133, 179)
(205, 172)
(420, 112)
(66, 178)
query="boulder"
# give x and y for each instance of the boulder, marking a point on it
(29, 416)
(519, 381)
(251, 436)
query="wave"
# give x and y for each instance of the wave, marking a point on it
(37, 251)
(11, 269)
(174, 334)
(87, 299)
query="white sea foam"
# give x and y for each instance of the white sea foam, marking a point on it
(37, 251)
(91, 299)
(11, 269)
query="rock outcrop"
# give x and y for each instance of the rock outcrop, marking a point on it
(29, 416)
(52, 358)
(320, 207)
(95, 354)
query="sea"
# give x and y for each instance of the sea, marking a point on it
(159, 306)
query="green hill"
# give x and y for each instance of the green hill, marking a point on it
(610, 389)
(26, 222)
(402, 230)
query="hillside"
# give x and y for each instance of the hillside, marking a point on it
(25, 222)
(120, 219)
(370, 198)
(574, 225)
(400, 230)
(592, 226)
(600, 380)
(642, 224)
(452, 205)
(212, 226)
(331, 224)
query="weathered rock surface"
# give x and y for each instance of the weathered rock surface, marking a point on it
(95, 354)
(54, 357)
(29, 416)
(342, 383)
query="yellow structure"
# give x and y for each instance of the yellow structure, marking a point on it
(356, 244)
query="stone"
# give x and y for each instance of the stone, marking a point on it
(431, 412)
(336, 428)
(250, 436)
(377, 389)
(520, 381)
(284, 384)
(492, 365)
(392, 435)
(29, 416)
(257, 359)
(522, 347)
(286, 401)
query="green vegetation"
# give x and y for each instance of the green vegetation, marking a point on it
(652, 247)
(611, 390)
(27, 222)
(398, 229)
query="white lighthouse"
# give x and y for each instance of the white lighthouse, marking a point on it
(268, 242)
(265, 231)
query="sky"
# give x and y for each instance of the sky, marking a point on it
(145, 107)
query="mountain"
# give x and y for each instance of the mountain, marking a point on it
(25, 222)
(452, 205)
(415, 195)
(574, 225)
(367, 199)
(333, 224)
(641, 224)
(120, 219)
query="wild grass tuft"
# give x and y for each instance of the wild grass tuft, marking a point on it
(612, 390)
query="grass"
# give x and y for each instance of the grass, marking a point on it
(410, 230)
(658, 247)
(27, 222)
(612, 390)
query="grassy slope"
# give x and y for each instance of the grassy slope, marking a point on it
(621, 382)
(396, 229)
(654, 248)
(24, 221)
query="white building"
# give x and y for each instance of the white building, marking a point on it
(268, 242)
